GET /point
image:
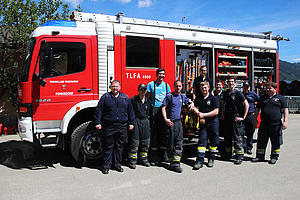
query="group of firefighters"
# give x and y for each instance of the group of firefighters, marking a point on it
(152, 120)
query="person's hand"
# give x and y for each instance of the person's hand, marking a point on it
(202, 121)
(169, 122)
(201, 115)
(284, 125)
(191, 106)
(238, 119)
(98, 126)
(130, 127)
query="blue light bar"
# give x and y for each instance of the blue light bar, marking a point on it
(60, 23)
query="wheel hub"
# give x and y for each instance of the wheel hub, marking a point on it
(91, 145)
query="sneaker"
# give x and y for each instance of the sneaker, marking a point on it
(238, 162)
(273, 161)
(198, 164)
(257, 159)
(132, 165)
(210, 163)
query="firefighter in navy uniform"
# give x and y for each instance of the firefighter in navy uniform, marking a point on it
(272, 106)
(171, 111)
(114, 115)
(208, 109)
(236, 109)
(139, 141)
(249, 122)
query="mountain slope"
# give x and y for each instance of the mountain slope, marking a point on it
(289, 71)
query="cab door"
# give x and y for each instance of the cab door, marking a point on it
(63, 77)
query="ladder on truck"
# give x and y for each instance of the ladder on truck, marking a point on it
(119, 18)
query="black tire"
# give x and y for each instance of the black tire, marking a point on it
(86, 144)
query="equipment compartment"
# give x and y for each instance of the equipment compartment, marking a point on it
(231, 64)
(264, 69)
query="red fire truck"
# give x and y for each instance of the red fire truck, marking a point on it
(70, 64)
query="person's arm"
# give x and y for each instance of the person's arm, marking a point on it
(212, 113)
(164, 114)
(131, 116)
(246, 108)
(285, 118)
(98, 114)
(149, 92)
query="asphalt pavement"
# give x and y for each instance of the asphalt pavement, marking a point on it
(28, 172)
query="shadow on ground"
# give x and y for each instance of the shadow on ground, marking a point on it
(21, 154)
(24, 155)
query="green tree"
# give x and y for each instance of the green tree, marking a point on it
(18, 19)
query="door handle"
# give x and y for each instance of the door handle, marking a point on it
(82, 90)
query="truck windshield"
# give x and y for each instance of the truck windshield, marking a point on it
(25, 71)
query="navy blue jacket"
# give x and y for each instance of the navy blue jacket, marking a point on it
(114, 111)
(251, 97)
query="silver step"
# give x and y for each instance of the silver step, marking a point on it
(48, 140)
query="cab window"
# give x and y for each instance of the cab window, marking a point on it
(142, 52)
(64, 58)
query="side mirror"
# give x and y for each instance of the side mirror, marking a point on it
(43, 82)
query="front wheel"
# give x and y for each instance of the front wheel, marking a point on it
(86, 143)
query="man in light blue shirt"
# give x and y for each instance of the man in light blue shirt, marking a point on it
(157, 91)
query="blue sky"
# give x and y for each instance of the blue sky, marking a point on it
(280, 16)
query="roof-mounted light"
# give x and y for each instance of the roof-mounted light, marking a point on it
(62, 23)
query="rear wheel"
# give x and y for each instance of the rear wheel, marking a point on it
(86, 144)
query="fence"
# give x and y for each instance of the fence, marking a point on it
(293, 103)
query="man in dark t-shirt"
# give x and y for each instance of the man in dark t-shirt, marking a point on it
(203, 77)
(208, 108)
(235, 112)
(273, 107)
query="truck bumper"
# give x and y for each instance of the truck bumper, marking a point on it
(25, 129)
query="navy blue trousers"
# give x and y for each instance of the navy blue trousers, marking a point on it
(249, 131)
(274, 133)
(114, 138)
(208, 131)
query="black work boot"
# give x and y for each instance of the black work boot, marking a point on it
(145, 163)
(238, 161)
(227, 156)
(175, 166)
(164, 156)
(210, 163)
(258, 159)
(198, 164)
(273, 161)
(132, 165)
